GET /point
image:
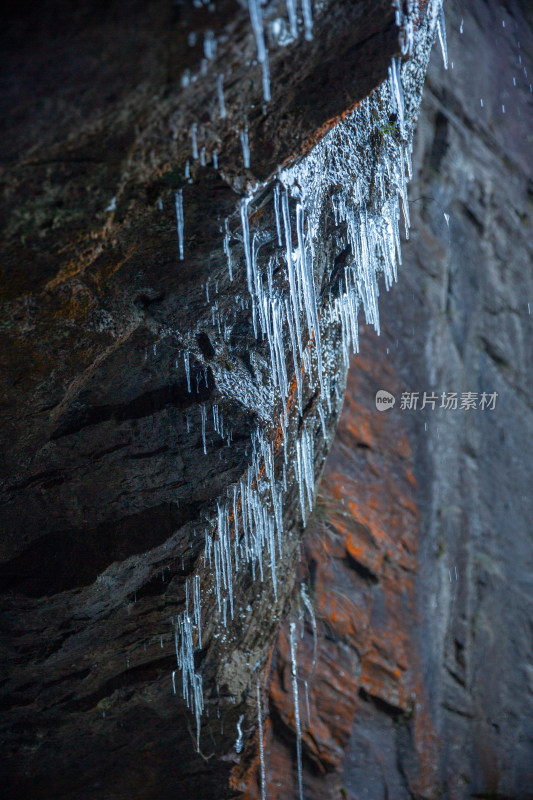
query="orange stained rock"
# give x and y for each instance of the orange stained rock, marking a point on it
(245, 776)
(348, 620)
(333, 697)
(410, 477)
(360, 431)
(360, 558)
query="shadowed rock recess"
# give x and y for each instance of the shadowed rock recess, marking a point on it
(198, 200)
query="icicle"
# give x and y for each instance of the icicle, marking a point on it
(307, 447)
(215, 159)
(261, 744)
(186, 356)
(210, 45)
(246, 241)
(197, 608)
(191, 681)
(308, 19)
(395, 77)
(441, 29)
(309, 608)
(238, 743)
(308, 284)
(266, 79)
(203, 414)
(294, 674)
(294, 353)
(300, 478)
(307, 704)
(323, 422)
(180, 220)
(236, 526)
(220, 92)
(194, 140)
(254, 7)
(290, 267)
(293, 17)
(256, 17)
(245, 147)
(276, 211)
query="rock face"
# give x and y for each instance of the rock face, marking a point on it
(419, 679)
(150, 427)
(420, 557)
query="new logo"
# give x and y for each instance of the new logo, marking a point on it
(384, 400)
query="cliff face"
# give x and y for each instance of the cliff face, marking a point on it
(416, 559)
(177, 311)
(420, 557)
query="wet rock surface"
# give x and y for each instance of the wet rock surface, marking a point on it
(422, 681)
(420, 556)
(111, 471)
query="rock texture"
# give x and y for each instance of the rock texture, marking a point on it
(422, 683)
(420, 557)
(108, 483)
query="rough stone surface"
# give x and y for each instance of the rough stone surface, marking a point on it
(423, 681)
(106, 490)
(420, 557)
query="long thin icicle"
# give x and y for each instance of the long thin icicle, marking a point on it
(180, 220)
(261, 743)
(294, 675)
(245, 147)
(220, 93)
(308, 19)
(293, 17)
(256, 17)
(441, 28)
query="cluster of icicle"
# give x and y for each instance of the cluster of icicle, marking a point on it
(359, 172)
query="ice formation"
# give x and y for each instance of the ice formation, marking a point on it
(245, 147)
(357, 174)
(238, 743)
(294, 676)
(180, 221)
(194, 141)
(220, 93)
(261, 743)
(256, 18)
(293, 17)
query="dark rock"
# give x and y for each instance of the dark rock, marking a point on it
(106, 492)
